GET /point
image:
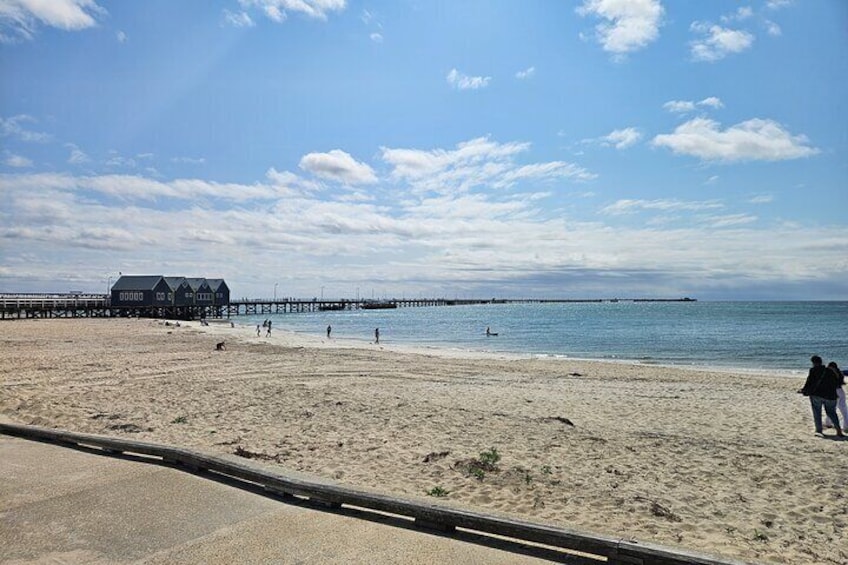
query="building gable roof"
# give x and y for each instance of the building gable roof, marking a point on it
(216, 284)
(196, 283)
(137, 282)
(175, 282)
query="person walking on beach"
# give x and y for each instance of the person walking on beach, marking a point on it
(841, 407)
(268, 333)
(329, 329)
(820, 386)
(258, 331)
(377, 335)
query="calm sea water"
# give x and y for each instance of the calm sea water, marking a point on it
(778, 336)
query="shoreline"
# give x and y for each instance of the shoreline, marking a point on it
(446, 351)
(709, 461)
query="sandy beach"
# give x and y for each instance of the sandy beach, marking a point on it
(719, 462)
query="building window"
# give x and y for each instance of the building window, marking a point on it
(126, 296)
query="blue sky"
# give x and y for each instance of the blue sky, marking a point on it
(593, 148)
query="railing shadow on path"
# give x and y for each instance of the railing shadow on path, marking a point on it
(555, 544)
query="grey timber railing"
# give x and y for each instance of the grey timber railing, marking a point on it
(432, 516)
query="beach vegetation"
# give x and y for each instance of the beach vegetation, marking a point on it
(546, 470)
(180, 420)
(760, 536)
(485, 462)
(490, 458)
(438, 492)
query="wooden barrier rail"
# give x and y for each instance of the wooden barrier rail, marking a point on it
(616, 551)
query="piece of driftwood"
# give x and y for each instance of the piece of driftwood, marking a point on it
(426, 515)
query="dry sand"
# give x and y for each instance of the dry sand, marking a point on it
(716, 462)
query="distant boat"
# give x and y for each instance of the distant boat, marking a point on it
(383, 304)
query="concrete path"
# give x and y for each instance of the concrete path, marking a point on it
(63, 505)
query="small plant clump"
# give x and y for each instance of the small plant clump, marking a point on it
(438, 492)
(486, 462)
(179, 420)
(490, 459)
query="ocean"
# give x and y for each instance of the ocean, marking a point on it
(748, 336)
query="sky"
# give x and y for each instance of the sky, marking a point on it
(406, 148)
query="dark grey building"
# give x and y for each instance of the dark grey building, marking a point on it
(220, 291)
(182, 294)
(203, 295)
(141, 290)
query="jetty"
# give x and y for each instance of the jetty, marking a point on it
(78, 305)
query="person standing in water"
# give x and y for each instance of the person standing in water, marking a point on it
(377, 335)
(329, 329)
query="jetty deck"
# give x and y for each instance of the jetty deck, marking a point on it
(46, 305)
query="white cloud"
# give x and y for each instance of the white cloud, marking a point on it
(622, 138)
(276, 10)
(718, 42)
(12, 127)
(628, 25)
(121, 36)
(685, 106)
(742, 13)
(729, 220)
(679, 106)
(462, 81)
(376, 37)
(777, 4)
(286, 183)
(762, 199)
(118, 161)
(629, 206)
(526, 73)
(773, 29)
(188, 160)
(550, 170)
(712, 102)
(16, 161)
(77, 156)
(238, 19)
(477, 163)
(20, 19)
(338, 166)
(752, 140)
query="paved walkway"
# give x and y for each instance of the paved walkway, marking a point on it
(63, 505)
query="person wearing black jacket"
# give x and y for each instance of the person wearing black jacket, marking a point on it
(841, 406)
(820, 386)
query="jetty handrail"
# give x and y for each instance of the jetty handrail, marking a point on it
(31, 299)
(617, 551)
